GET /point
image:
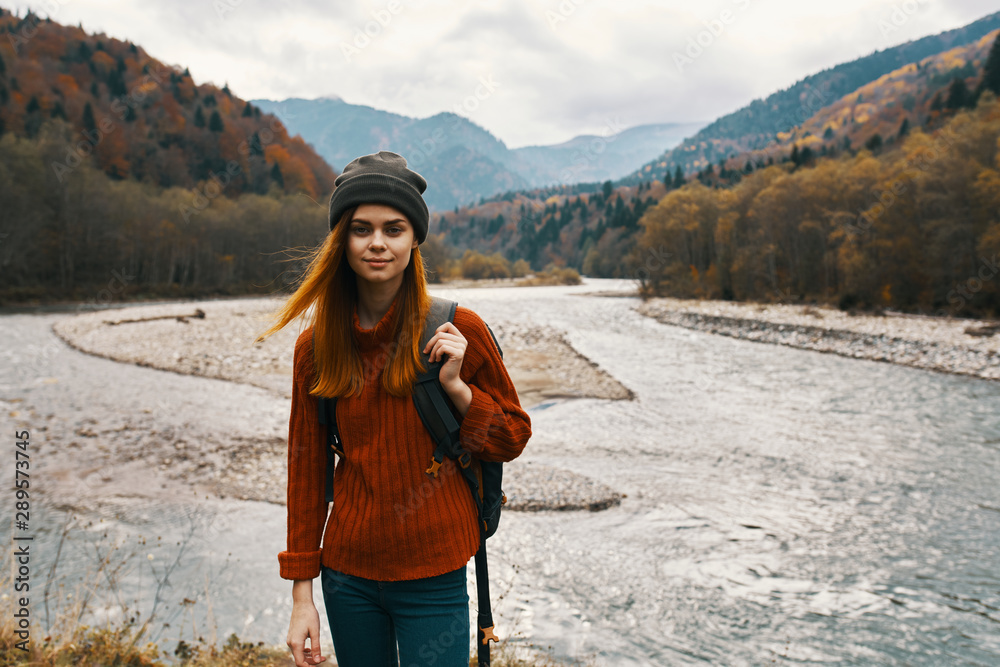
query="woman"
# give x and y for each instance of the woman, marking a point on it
(397, 541)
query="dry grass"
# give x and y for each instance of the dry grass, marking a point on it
(552, 276)
(59, 636)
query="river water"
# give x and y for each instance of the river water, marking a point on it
(782, 506)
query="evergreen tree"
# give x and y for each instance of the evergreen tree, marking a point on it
(607, 189)
(958, 94)
(95, 89)
(277, 177)
(991, 70)
(248, 110)
(32, 105)
(199, 117)
(58, 111)
(904, 128)
(215, 122)
(116, 84)
(678, 177)
(3, 67)
(83, 52)
(256, 149)
(874, 143)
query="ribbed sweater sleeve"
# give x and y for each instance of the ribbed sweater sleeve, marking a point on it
(306, 502)
(495, 428)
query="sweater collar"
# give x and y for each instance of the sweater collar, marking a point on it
(381, 333)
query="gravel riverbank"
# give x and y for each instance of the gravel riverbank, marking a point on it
(214, 339)
(949, 345)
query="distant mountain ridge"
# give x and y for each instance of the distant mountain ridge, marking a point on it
(758, 124)
(466, 161)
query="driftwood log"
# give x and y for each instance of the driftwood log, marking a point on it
(984, 330)
(198, 313)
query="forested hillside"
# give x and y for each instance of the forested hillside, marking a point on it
(138, 119)
(756, 125)
(915, 228)
(881, 112)
(121, 177)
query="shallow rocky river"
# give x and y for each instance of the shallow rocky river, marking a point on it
(780, 505)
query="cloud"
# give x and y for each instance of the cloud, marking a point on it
(560, 67)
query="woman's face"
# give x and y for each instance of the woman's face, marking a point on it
(380, 240)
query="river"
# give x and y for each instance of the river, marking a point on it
(782, 505)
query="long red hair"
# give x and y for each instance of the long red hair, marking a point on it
(330, 285)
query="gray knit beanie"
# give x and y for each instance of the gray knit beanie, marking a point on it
(381, 178)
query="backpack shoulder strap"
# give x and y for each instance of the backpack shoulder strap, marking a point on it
(326, 409)
(442, 310)
(429, 397)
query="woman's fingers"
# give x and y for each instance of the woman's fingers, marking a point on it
(452, 349)
(314, 644)
(447, 340)
(447, 331)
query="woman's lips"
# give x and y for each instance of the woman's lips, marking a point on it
(373, 262)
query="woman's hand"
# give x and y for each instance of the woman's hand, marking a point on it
(448, 340)
(304, 624)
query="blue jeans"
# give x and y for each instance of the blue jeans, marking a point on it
(427, 619)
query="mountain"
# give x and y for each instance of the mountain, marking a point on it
(462, 161)
(758, 124)
(884, 110)
(139, 119)
(595, 158)
(887, 196)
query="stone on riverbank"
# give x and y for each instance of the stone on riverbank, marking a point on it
(932, 343)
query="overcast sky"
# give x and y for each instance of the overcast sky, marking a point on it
(529, 71)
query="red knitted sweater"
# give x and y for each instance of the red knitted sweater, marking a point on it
(390, 521)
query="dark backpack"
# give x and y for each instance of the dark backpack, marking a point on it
(484, 478)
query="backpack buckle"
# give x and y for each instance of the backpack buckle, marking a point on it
(488, 635)
(465, 458)
(435, 466)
